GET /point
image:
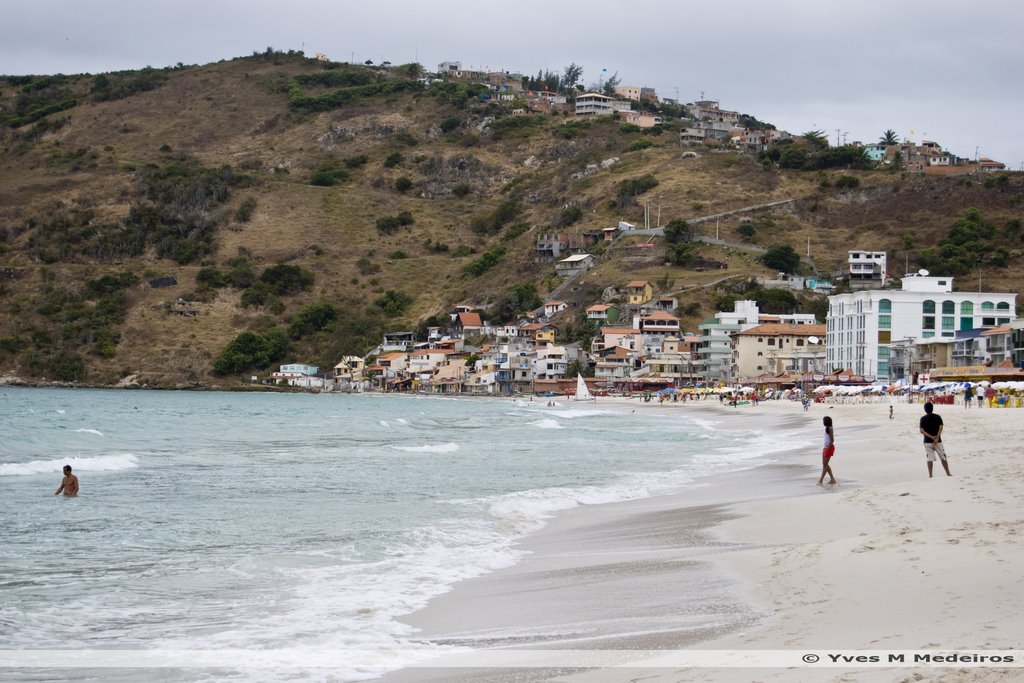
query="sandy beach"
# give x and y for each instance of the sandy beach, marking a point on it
(766, 560)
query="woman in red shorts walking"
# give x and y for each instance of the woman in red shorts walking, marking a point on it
(827, 452)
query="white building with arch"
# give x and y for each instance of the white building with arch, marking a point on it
(862, 327)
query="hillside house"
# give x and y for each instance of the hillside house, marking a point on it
(550, 362)
(349, 370)
(425, 361)
(398, 341)
(541, 334)
(603, 313)
(609, 337)
(618, 363)
(553, 308)
(710, 111)
(297, 375)
(448, 378)
(639, 292)
(468, 325)
(551, 246)
(595, 104)
(642, 119)
(692, 136)
(665, 303)
(655, 327)
(574, 265)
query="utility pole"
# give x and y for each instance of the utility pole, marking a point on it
(837, 137)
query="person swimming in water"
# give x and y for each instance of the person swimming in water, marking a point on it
(69, 485)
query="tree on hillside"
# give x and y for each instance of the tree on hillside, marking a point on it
(782, 258)
(612, 83)
(816, 139)
(677, 230)
(571, 76)
(889, 137)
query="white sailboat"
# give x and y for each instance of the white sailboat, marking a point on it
(582, 392)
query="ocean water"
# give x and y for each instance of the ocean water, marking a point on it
(263, 521)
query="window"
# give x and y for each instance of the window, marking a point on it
(771, 341)
(885, 306)
(883, 353)
(927, 335)
(967, 308)
(928, 306)
(1002, 306)
(987, 306)
(884, 322)
(948, 323)
(967, 323)
(884, 337)
(948, 307)
(799, 342)
(760, 353)
(988, 322)
(928, 322)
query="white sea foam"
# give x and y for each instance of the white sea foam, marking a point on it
(548, 424)
(526, 511)
(99, 463)
(90, 431)
(429, 448)
(362, 601)
(572, 413)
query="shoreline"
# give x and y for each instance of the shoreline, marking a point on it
(888, 559)
(566, 593)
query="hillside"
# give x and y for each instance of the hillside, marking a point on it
(148, 218)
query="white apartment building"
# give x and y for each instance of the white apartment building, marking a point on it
(592, 103)
(867, 269)
(863, 327)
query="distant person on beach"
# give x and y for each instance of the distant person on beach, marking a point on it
(968, 397)
(931, 429)
(69, 485)
(890, 412)
(827, 452)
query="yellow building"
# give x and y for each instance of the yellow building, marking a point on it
(639, 292)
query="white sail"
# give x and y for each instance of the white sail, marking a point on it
(582, 392)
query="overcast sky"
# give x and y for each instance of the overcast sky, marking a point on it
(928, 69)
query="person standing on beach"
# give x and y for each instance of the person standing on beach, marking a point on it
(827, 452)
(69, 485)
(931, 428)
(968, 397)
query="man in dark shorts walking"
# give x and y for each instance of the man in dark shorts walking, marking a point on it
(931, 428)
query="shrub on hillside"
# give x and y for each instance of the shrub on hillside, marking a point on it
(312, 318)
(393, 303)
(284, 280)
(250, 350)
(487, 260)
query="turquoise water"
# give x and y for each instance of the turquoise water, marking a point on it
(220, 520)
